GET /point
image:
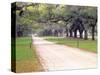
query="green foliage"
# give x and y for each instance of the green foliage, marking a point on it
(34, 13)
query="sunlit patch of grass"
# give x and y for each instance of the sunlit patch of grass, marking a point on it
(88, 45)
(26, 57)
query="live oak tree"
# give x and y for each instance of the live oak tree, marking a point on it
(50, 17)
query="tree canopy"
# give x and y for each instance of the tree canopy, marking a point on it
(40, 15)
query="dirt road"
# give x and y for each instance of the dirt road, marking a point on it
(59, 57)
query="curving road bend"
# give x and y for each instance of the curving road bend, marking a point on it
(59, 57)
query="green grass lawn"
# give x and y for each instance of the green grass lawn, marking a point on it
(23, 50)
(26, 57)
(88, 45)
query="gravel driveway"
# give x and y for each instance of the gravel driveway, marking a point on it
(60, 57)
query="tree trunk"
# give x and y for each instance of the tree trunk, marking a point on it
(70, 33)
(85, 35)
(75, 34)
(81, 34)
(93, 31)
(67, 33)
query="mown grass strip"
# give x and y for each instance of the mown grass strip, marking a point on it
(26, 57)
(88, 45)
